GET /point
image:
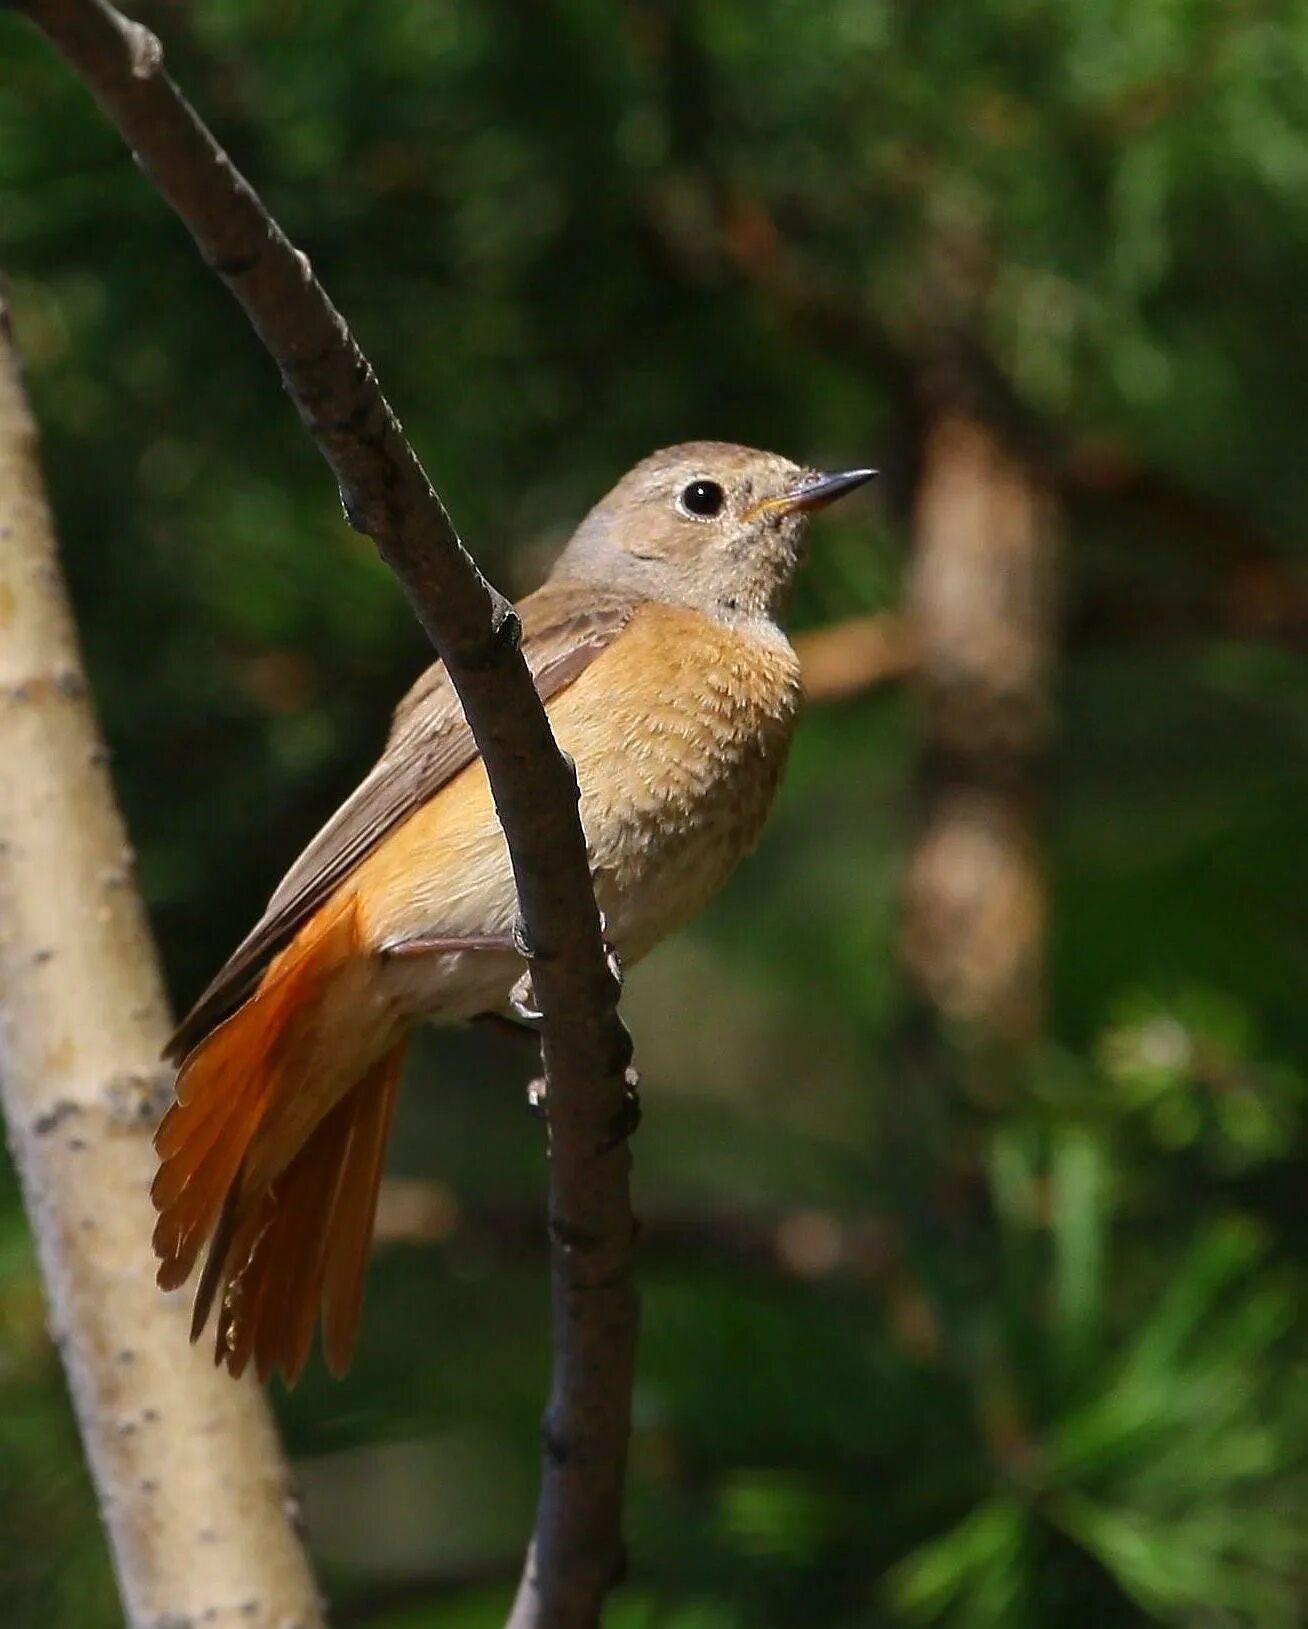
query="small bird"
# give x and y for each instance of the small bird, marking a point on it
(657, 648)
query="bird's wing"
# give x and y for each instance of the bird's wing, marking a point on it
(429, 744)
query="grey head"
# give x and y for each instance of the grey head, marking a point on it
(708, 525)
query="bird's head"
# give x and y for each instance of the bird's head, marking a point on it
(707, 524)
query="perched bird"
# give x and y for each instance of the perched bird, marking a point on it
(657, 647)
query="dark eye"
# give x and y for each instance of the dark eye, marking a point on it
(703, 499)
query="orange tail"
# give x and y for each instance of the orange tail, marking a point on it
(290, 1217)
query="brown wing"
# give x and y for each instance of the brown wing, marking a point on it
(429, 743)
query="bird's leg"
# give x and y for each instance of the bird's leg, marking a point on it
(522, 1003)
(527, 1018)
(525, 1022)
(522, 997)
(439, 944)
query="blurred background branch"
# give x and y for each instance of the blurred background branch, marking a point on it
(849, 658)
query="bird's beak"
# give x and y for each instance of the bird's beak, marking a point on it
(813, 492)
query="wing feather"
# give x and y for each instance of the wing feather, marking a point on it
(428, 745)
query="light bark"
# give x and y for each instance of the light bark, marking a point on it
(195, 1494)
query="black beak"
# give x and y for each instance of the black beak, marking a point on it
(819, 491)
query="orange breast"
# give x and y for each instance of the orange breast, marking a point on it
(679, 732)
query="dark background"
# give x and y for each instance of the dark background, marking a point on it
(974, 1156)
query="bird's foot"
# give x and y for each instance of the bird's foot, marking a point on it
(444, 944)
(611, 956)
(628, 1118)
(625, 1121)
(522, 1002)
(522, 997)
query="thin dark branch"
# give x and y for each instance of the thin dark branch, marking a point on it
(388, 495)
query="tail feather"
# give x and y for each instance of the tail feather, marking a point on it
(221, 1245)
(356, 1211)
(290, 1221)
(177, 1128)
(190, 1217)
(273, 1275)
(306, 1241)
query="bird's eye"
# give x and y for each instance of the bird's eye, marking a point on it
(702, 499)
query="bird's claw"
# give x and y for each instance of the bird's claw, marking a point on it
(521, 938)
(522, 1002)
(611, 958)
(522, 997)
(628, 1117)
(625, 1122)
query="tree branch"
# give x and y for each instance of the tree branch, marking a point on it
(194, 1492)
(849, 658)
(387, 494)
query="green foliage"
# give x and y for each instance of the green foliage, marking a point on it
(1184, 1067)
(1056, 1377)
(1148, 1448)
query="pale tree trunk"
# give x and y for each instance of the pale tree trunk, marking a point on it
(984, 602)
(195, 1494)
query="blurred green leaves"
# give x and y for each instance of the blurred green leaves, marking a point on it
(1190, 1070)
(1147, 1444)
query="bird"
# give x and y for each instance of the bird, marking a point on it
(657, 645)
